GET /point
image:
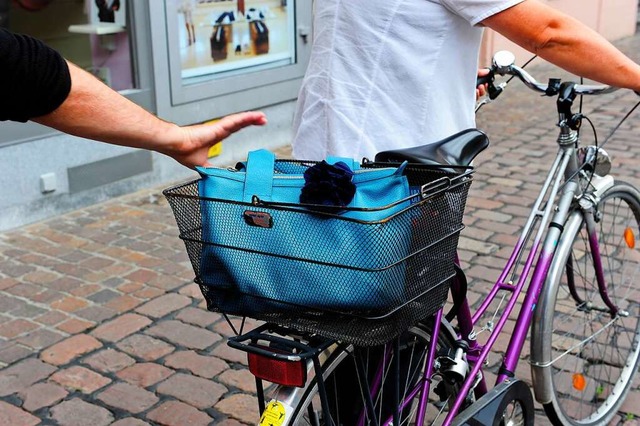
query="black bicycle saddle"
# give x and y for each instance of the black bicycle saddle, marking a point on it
(456, 150)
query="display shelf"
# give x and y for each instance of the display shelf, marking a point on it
(102, 28)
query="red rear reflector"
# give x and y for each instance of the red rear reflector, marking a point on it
(286, 373)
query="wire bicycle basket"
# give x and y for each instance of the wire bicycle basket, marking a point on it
(350, 280)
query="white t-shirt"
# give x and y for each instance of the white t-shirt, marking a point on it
(388, 74)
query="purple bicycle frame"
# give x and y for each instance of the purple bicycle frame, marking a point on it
(466, 321)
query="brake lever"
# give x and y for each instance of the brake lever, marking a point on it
(494, 92)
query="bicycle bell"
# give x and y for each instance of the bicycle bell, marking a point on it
(502, 61)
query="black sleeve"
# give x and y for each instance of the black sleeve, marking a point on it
(34, 79)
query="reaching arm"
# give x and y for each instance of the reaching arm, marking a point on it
(565, 42)
(94, 111)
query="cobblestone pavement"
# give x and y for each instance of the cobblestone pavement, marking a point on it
(101, 325)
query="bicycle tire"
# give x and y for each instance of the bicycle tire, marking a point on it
(590, 357)
(339, 374)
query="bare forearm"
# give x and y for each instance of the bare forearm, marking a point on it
(94, 111)
(566, 42)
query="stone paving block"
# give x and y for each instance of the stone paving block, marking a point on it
(14, 352)
(16, 327)
(28, 310)
(14, 269)
(185, 335)
(81, 379)
(6, 283)
(41, 277)
(96, 313)
(631, 405)
(75, 325)
(175, 413)
(128, 287)
(24, 289)
(128, 398)
(121, 327)
(69, 349)
(95, 262)
(123, 303)
(230, 422)
(69, 304)
(109, 361)
(229, 354)
(164, 305)
(42, 395)
(103, 296)
(198, 317)
(203, 366)
(147, 293)
(477, 246)
(4, 319)
(130, 422)
(144, 374)
(241, 379)
(22, 375)
(65, 284)
(241, 407)
(166, 281)
(39, 339)
(142, 276)
(196, 391)
(76, 412)
(145, 347)
(85, 290)
(10, 415)
(47, 296)
(192, 290)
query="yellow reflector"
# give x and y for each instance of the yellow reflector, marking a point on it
(216, 149)
(629, 238)
(579, 382)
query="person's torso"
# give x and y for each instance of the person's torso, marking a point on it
(385, 74)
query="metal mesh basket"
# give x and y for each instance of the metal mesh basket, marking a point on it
(384, 276)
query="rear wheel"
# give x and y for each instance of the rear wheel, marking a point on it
(593, 356)
(346, 395)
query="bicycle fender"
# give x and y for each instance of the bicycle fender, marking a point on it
(540, 330)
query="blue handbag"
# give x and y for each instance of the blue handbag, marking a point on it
(260, 241)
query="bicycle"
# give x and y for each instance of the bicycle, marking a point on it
(571, 263)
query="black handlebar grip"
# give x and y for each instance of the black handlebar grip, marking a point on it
(485, 79)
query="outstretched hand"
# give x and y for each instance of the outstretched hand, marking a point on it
(192, 146)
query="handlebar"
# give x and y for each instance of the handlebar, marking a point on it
(553, 87)
(504, 64)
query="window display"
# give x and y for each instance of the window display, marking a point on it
(219, 37)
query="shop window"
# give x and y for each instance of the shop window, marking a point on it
(221, 56)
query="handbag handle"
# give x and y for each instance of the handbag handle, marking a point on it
(259, 175)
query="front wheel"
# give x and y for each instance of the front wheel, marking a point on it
(587, 357)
